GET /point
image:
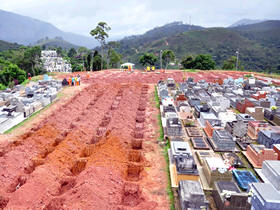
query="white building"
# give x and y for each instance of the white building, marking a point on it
(53, 63)
(228, 116)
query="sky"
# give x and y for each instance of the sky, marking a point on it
(131, 17)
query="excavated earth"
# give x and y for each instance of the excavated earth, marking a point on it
(98, 150)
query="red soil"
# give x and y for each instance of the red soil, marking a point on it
(97, 151)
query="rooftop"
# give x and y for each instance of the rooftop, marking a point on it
(274, 164)
(227, 186)
(206, 115)
(267, 192)
(189, 187)
(245, 117)
(273, 130)
(257, 148)
(223, 134)
(180, 147)
(258, 123)
(215, 162)
(277, 146)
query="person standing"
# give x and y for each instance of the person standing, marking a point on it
(73, 81)
(79, 80)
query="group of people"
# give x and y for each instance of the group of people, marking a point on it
(74, 80)
(150, 68)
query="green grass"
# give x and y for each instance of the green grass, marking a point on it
(246, 164)
(26, 120)
(161, 133)
(33, 79)
(2, 87)
(235, 111)
(165, 152)
(157, 98)
(51, 73)
(190, 70)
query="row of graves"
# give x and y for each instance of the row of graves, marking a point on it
(21, 102)
(215, 130)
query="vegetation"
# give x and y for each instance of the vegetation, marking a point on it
(8, 46)
(16, 64)
(203, 62)
(230, 63)
(166, 157)
(57, 42)
(258, 44)
(113, 57)
(10, 73)
(100, 34)
(33, 79)
(167, 57)
(148, 59)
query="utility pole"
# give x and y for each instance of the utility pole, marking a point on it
(160, 54)
(237, 57)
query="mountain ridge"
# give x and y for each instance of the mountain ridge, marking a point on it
(244, 22)
(31, 30)
(258, 44)
(8, 46)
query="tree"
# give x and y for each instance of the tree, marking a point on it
(71, 53)
(230, 63)
(32, 58)
(59, 51)
(167, 57)
(100, 34)
(204, 62)
(87, 62)
(114, 57)
(188, 62)
(77, 67)
(148, 59)
(83, 50)
(10, 72)
(97, 60)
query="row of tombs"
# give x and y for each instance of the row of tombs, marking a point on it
(208, 141)
(21, 102)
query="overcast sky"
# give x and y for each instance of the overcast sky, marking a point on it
(128, 17)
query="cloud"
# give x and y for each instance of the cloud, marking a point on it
(137, 16)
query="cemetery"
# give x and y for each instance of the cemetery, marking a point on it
(21, 102)
(106, 135)
(232, 122)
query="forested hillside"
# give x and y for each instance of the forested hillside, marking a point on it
(258, 44)
(8, 46)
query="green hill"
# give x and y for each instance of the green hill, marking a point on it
(266, 33)
(56, 42)
(258, 45)
(8, 46)
(27, 30)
